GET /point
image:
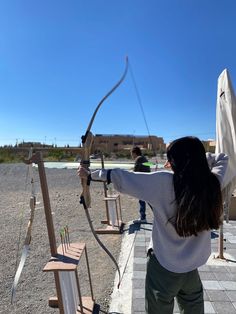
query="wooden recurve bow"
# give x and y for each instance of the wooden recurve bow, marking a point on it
(87, 141)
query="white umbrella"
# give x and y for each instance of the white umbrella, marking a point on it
(226, 127)
(226, 135)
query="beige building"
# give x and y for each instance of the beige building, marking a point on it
(209, 145)
(109, 143)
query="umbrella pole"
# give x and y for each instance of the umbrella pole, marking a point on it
(221, 243)
(221, 230)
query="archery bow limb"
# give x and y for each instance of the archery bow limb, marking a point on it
(87, 141)
(27, 241)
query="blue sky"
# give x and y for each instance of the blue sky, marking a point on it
(59, 58)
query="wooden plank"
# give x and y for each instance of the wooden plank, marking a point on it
(67, 261)
(110, 230)
(88, 306)
(111, 198)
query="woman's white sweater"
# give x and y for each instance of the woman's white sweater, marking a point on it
(175, 253)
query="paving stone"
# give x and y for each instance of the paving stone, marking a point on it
(140, 233)
(140, 239)
(231, 250)
(139, 294)
(138, 267)
(228, 285)
(138, 253)
(207, 275)
(140, 260)
(204, 268)
(231, 295)
(231, 269)
(140, 243)
(138, 283)
(215, 241)
(232, 239)
(227, 224)
(218, 269)
(138, 305)
(212, 285)
(139, 274)
(205, 295)
(224, 307)
(141, 248)
(217, 295)
(208, 308)
(227, 234)
(225, 276)
(229, 245)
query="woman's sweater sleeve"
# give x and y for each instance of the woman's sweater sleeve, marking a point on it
(218, 165)
(144, 186)
(141, 185)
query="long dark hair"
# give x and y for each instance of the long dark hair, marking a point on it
(197, 190)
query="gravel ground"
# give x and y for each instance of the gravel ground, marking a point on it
(35, 286)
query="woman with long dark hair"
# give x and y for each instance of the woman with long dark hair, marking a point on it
(186, 204)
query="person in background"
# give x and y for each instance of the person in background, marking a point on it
(187, 205)
(139, 166)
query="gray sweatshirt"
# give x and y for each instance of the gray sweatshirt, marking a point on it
(175, 253)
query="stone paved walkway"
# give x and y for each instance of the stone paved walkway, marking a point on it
(218, 276)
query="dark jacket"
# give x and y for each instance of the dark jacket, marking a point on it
(139, 167)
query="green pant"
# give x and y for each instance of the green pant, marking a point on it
(162, 286)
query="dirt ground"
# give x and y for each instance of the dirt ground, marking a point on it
(35, 286)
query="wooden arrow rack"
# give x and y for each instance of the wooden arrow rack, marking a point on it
(64, 260)
(112, 203)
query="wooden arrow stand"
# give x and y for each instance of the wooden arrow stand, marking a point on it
(64, 260)
(112, 203)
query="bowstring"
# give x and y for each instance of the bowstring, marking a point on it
(141, 107)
